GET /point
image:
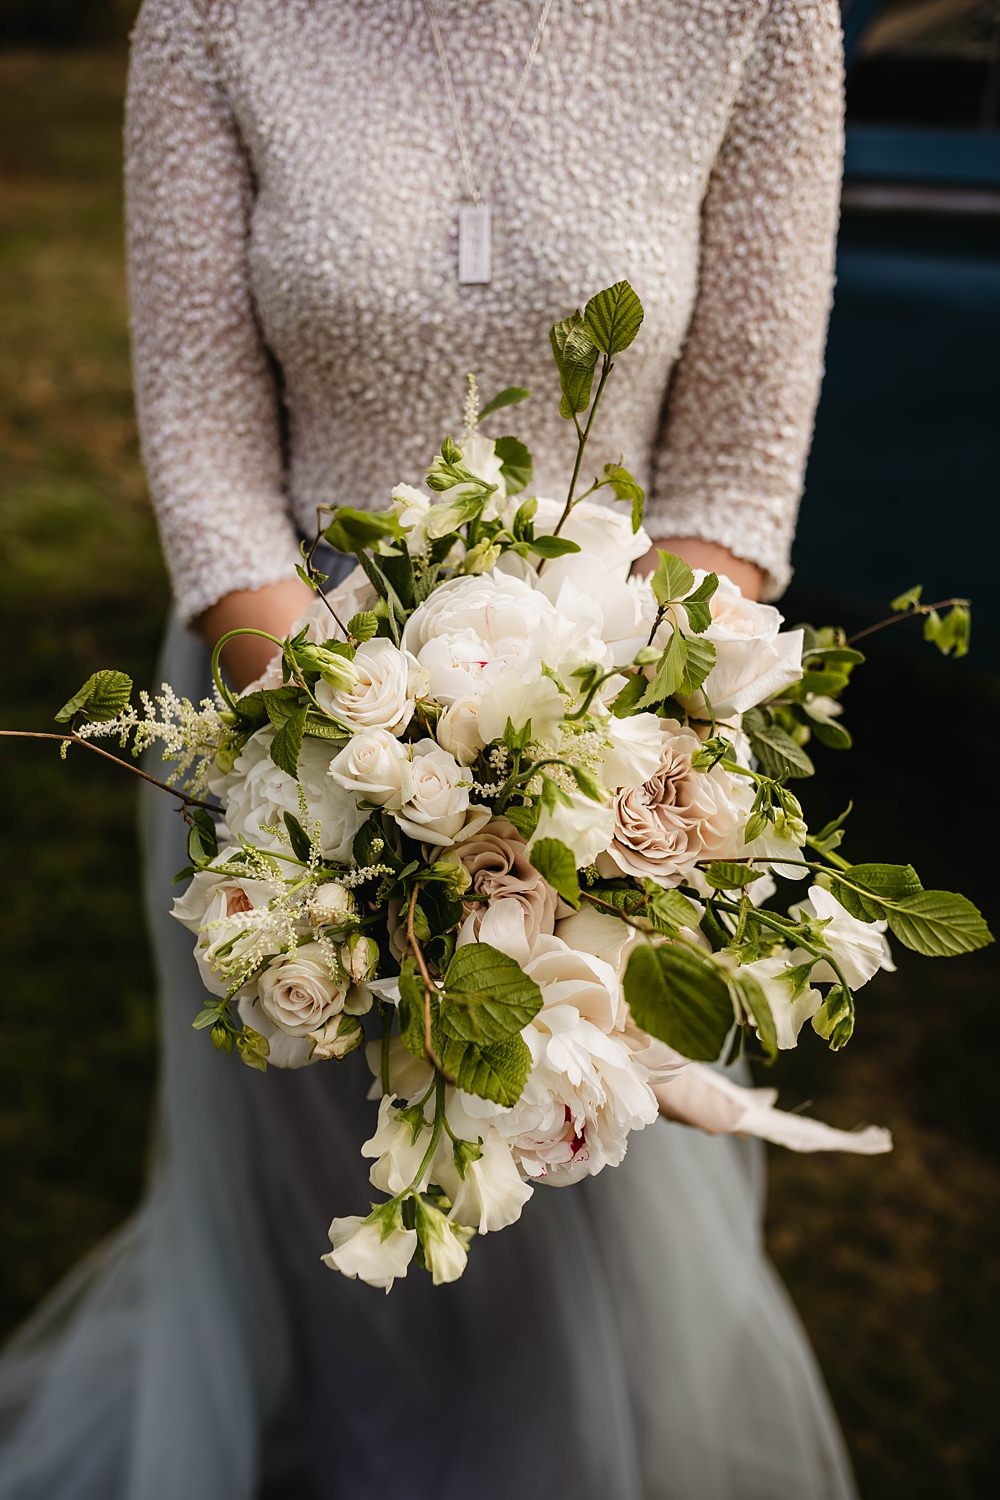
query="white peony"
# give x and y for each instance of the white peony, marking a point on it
(437, 809)
(376, 1250)
(375, 767)
(603, 600)
(388, 683)
(860, 948)
(754, 658)
(258, 793)
(521, 699)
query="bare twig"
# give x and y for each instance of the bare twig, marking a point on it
(75, 739)
(429, 986)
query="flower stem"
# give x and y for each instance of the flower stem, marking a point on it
(582, 437)
(75, 739)
(430, 987)
(907, 614)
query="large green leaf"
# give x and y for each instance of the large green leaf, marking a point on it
(683, 999)
(353, 530)
(487, 995)
(699, 610)
(671, 579)
(938, 923)
(515, 463)
(575, 356)
(885, 882)
(289, 720)
(104, 696)
(498, 1071)
(555, 863)
(507, 397)
(613, 317)
(777, 752)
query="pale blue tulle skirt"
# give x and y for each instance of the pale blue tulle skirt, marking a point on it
(626, 1340)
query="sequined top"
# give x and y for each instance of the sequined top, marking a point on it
(299, 332)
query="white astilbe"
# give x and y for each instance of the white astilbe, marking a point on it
(192, 734)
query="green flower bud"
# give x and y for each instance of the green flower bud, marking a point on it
(482, 558)
(338, 671)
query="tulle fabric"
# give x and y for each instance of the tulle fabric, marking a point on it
(626, 1340)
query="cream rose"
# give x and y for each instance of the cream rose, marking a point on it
(457, 729)
(437, 809)
(299, 991)
(676, 818)
(754, 658)
(388, 683)
(376, 768)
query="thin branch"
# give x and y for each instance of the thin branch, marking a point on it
(430, 987)
(75, 739)
(902, 614)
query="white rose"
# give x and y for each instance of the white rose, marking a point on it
(437, 808)
(383, 697)
(376, 768)
(336, 1038)
(675, 819)
(457, 729)
(298, 992)
(492, 1192)
(584, 826)
(754, 658)
(602, 599)
(331, 904)
(258, 793)
(376, 1250)
(634, 750)
(789, 1014)
(858, 947)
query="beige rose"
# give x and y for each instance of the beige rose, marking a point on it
(678, 817)
(520, 905)
(299, 992)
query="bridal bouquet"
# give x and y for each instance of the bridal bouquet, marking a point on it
(515, 819)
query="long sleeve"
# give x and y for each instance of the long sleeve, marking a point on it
(205, 393)
(742, 400)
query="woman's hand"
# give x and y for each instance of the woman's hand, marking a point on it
(274, 608)
(711, 557)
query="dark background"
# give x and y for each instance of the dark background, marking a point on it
(891, 1261)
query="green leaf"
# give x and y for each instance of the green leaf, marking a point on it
(669, 672)
(938, 923)
(487, 995)
(668, 910)
(750, 996)
(202, 840)
(353, 530)
(555, 863)
(613, 317)
(498, 1071)
(834, 1021)
(949, 633)
(286, 747)
(909, 600)
(524, 819)
(830, 733)
(699, 661)
(885, 882)
(301, 846)
(206, 1018)
(777, 752)
(730, 875)
(515, 463)
(680, 998)
(509, 396)
(363, 626)
(548, 546)
(672, 578)
(104, 696)
(411, 1010)
(575, 356)
(697, 604)
(626, 488)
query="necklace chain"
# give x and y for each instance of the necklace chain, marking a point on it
(476, 192)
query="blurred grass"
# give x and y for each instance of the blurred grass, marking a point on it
(888, 1260)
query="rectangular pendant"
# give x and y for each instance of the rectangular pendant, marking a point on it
(475, 243)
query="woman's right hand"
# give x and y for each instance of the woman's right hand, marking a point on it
(273, 608)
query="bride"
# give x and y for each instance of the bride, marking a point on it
(333, 209)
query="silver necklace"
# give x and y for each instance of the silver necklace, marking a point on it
(475, 219)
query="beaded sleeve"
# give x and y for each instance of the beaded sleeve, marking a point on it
(742, 400)
(205, 392)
